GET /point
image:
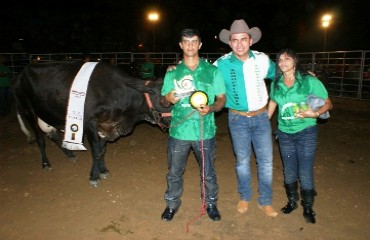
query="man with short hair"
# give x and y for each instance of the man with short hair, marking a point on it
(193, 123)
(244, 72)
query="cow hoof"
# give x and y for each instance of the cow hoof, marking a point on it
(94, 183)
(105, 175)
(47, 168)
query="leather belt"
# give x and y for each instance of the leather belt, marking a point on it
(250, 113)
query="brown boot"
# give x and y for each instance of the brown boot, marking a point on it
(268, 210)
(243, 206)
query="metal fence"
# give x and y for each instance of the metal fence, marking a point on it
(344, 73)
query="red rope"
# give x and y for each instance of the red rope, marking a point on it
(204, 204)
(178, 123)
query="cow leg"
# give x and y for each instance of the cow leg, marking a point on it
(57, 139)
(103, 171)
(39, 135)
(98, 146)
(45, 164)
(70, 155)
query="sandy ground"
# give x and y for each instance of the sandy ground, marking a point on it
(59, 204)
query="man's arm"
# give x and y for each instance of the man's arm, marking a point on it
(219, 104)
(171, 98)
(215, 107)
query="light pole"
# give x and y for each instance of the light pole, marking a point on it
(153, 17)
(325, 23)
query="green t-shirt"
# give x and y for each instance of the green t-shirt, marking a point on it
(4, 76)
(288, 98)
(147, 70)
(206, 78)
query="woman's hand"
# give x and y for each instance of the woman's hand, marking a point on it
(309, 113)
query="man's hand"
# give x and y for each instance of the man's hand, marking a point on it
(311, 73)
(170, 68)
(217, 105)
(204, 109)
(170, 97)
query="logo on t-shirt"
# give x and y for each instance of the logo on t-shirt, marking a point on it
(288, 111)
(185, 86)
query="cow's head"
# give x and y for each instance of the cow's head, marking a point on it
(159, 110)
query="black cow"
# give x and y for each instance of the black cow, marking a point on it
(115, 102)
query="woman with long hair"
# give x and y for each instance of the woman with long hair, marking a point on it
(297, 128)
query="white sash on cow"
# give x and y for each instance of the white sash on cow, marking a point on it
(73, 133)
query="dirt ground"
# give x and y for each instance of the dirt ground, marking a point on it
(60, 204)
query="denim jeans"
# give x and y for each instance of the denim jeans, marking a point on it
(245, 133)
(177, 153)
(298, 152)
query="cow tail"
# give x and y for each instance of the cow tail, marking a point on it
(26, 129)
(24, 124)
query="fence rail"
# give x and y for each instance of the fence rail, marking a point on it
(344, 73)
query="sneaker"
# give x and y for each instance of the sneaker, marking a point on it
(243, 206)
(268, 210)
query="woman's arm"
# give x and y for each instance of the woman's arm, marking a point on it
(310, 113)
(326, 107)
(271, 108)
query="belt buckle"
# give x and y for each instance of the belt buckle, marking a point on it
(253, 113)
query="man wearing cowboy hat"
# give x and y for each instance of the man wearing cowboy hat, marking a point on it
(244, 72)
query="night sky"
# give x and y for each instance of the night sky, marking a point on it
(121, 25)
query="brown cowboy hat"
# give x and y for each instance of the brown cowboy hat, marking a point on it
(240, 26)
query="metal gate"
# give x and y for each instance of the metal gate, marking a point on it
(344, 73)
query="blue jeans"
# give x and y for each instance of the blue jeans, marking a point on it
(298, 152)
(177, 153)
(245, 133)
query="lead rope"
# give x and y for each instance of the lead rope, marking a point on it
(179, 122)
(204, 204)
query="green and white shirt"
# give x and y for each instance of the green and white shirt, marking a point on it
(246, 88)
(206, 78)
(289, 98)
